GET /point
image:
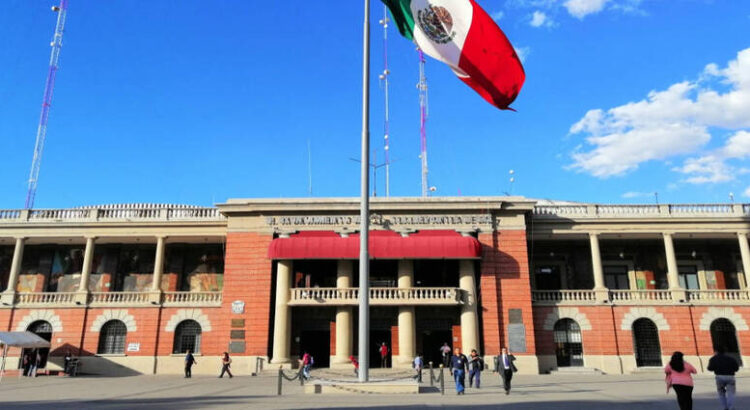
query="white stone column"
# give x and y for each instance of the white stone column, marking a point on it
(158, 264)
(469, 318)
(678, 293)
(344, 317)
(282, 326)
(602, 293)
(88, 259)
(407, 332)
(8, 296)
(745, 254)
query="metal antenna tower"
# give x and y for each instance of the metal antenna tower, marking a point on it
(423, 111)
(386, 126)
(41, 132)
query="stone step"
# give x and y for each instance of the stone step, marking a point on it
(648, 370)
(575, 370)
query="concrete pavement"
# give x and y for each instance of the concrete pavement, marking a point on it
(574, 392)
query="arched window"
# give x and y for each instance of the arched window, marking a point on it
(568, 343)
(646, 343)
(43, 329)
(723, 334)
(187, 336)
(112, 338)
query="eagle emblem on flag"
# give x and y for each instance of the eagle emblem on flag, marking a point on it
(437, 23)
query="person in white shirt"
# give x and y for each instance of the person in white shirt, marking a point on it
(418, 365)
(504, 365)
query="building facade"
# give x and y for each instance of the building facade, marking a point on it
(130, 288)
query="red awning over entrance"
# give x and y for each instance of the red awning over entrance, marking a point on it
(433, 244)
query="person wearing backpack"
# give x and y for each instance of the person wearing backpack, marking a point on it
(226, 362)
(476, 365)
(307, 362)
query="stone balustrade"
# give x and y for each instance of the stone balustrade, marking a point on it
(33, 299)
(191, 298)
(640, 211)
(378, 296)
(118, 299)
(561, 297)
(641, 297)
(134, 212)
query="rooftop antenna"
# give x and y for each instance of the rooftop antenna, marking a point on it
(423, 111)
(731, 197)
(41, 132)
(511, 180)
(386, 126)
(656, 197)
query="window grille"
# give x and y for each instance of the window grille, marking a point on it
(569, 346)
(646, 342)
(40, 326)
(187, 336)
(724, 334)
(112, 338)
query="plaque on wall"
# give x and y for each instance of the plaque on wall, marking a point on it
(237, 334)
(238, 322)
(236, 347)
(515, 316)
(238, 307)
(517, 338)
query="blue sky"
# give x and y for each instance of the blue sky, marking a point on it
(196, 102)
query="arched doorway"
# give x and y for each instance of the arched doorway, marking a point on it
(646, 343)
(724, 334)
(568, 343)
(43, 329)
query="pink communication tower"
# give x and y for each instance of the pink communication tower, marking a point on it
(49, 87)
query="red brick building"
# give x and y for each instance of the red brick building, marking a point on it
(129, 288)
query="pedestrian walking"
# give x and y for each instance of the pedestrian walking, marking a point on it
(476, 365)
(67, 360)
(459, 364)
(679, 376)
(418, 365)
(383, 355)
(355, 362)
(505, 366)
(445, 351)
(27, 364)
(35, 358)
(724, 367)
(226, 363)
(189, 362)
(307, 362)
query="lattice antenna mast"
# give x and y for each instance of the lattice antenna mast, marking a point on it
(49, 87)
(423, 112)
(386, 126)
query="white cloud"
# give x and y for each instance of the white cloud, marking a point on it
(635, 194)
(582, 8)
(671, 123)
(523, 53)
(539, 19)
(497, 15)
(747, 192)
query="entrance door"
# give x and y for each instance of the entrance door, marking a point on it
(646, 343)
(432, 341)
(318, 344)
(377, 337)
(568, 343)
(42, 329)
(723, 334)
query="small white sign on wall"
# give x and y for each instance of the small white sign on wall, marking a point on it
(134, 347)
(238, 307)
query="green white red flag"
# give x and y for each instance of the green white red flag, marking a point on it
(462, 35)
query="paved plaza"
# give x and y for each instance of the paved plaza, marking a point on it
(645, 391)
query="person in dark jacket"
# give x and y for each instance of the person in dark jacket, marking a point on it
(504, 365)
(724, 367)
(189, 362)
(459, 364)
(476, 365)
(226, 362)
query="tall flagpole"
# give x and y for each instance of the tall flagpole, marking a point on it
(364, 212)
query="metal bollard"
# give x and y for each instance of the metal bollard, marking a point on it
(432, 376)
(301, 376)
(278, 387)
(442, 381)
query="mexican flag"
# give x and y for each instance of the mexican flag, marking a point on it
(462, 35)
